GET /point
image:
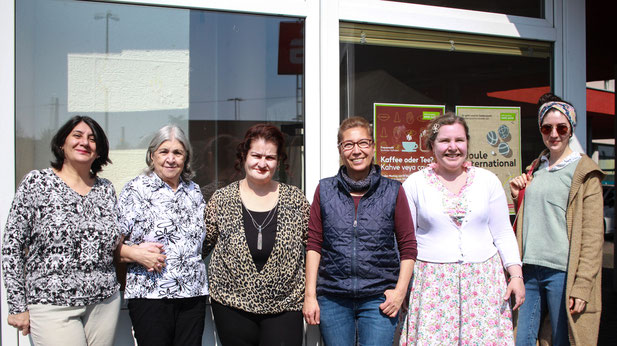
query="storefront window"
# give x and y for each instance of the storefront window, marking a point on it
(405, 66)
(135, 69)
(525, 8)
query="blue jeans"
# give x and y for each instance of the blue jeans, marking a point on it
(343, 319)
(545, 289)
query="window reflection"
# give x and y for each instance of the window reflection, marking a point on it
(213, 74)
(371, 73)
(244, 70)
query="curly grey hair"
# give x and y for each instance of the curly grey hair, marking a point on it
(169, 133)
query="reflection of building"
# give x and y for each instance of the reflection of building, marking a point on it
(181, 65)
(127, 164)
(131, 81)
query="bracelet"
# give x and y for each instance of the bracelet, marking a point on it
(515, 276)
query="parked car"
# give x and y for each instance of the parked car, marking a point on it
(609, 209)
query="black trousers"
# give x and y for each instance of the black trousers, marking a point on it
(240, 328)
(168, 322)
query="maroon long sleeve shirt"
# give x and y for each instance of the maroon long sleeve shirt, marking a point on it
(403, 226)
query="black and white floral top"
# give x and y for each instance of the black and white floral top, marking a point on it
(58, 245)
(150, 211)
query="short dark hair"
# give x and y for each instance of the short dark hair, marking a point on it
(102, 144)
(268, 133)
(449, 118)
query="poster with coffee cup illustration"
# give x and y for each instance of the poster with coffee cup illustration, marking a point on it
(399, 148)
(495, 141)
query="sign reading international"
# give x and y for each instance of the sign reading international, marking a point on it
(495, 141)
(399, 148)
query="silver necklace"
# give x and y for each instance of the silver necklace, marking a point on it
(263, 225)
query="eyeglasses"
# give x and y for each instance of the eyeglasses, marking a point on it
(362, 144)
(562, 129)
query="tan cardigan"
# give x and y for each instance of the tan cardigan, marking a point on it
(584, 219)
(232, 275)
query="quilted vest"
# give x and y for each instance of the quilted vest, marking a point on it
(359, 256)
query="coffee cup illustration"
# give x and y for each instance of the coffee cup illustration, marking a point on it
(410, 147)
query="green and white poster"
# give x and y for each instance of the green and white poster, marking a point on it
(495, 141)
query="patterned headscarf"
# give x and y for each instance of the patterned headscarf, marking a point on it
(563, 107)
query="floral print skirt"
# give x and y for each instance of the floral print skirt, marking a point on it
(457, 304)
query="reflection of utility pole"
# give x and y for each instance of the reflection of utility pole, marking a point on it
(107, 17)
(54, 111)
(236, 101)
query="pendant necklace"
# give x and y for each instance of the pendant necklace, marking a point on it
(264, 224)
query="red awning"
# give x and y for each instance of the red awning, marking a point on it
(526, 95)
(598, 101)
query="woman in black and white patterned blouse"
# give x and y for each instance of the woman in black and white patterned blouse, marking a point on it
(57, 253)
(161, 218)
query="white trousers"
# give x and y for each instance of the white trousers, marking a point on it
(91, 325)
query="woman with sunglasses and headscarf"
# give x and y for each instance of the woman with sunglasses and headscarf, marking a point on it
(560, 235)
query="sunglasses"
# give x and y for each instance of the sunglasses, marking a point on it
(562, 129)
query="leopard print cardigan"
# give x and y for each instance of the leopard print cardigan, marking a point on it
(233, 278)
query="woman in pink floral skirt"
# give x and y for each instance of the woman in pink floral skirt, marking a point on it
(459, 292)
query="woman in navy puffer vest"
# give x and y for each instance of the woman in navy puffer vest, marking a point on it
(355, 280)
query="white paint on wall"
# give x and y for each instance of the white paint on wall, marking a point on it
(127, 164)
(131, 81)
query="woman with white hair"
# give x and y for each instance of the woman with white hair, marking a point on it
(161, 219)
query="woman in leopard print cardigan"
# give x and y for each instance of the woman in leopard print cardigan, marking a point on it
(257, 232)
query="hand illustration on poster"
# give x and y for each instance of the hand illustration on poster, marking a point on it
(399, 148)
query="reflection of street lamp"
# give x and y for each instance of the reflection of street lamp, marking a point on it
(107, 17)
(236, 101)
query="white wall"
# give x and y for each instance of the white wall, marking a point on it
(7, 138)
(570, 67)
